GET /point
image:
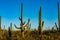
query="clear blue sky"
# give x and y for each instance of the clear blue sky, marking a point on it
(10, 11)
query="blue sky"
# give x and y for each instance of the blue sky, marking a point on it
(10, 11)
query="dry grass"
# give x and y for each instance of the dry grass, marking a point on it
(33, 35)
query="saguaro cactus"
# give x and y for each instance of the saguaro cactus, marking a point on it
(0, 22)
(40, 21)
(9, 32)
(58, 16)
(11, 26)
(22, 22)
(22, 25)
(0, 28)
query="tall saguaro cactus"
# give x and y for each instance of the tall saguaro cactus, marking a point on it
(40, 21)
(0, 22)
(0, 28)
(58, 16)
(22, 22)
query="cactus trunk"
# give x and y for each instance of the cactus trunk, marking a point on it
(22, 23)
(11, 26)
(0, 22)
(0, 28)
(9, 32)
(58, 16)
(22, 14)
(40, 21)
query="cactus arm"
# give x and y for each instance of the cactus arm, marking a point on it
(56, 26)
(9, 31)
(16, 26)
(27, 23)
(11, 26)
(21, 21)
(24, 23)
(30, 26)
(19, 18)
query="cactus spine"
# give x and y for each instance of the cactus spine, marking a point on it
(40, 21)
(59, 16)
